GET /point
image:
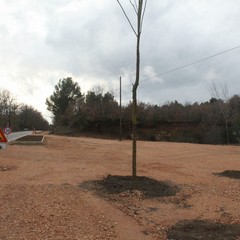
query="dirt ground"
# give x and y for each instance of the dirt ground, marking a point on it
(79, 188)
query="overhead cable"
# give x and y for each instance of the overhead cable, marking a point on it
(190, 64)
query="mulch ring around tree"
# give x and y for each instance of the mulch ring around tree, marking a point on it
(126, 192)
(30, 138)
(144, 186)
(202, 230)
(229, 173)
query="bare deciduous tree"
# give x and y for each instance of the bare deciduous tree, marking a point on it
(221, 93)
(139, 8)
(8, 106)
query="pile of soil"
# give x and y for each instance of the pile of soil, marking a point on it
(200, 229)
(126, 192)
(230, 173)
(148, 187)
(30, 138)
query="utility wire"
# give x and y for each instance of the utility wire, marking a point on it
(190, 64)
(186, 65)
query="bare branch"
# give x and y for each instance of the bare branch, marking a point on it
(127, 18)
(134, 6)
(214, 90)
(223, 101)
(144, 9)
(224, 90)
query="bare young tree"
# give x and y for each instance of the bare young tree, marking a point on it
(8, 107)
(139, 8)
(221, 93)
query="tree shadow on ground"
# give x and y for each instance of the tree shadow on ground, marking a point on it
(203, 229)
(229, 173)
(149, 188)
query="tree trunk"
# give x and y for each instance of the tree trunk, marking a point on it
(134, 133)
(139, 10)
(134, 94)
(226, 130)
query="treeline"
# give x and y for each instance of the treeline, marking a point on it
(216, 121)
(19, 116)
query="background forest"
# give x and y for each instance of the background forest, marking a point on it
(19, 116)
(97, 113)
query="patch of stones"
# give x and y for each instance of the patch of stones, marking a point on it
(6, 168)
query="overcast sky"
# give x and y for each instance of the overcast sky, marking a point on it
(42, 41)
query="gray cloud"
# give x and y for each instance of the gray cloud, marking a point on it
(43, 41)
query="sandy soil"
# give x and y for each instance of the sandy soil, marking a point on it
(59, 190)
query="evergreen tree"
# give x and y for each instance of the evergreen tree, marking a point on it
(61, 103)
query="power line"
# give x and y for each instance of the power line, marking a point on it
(187, 65)
(190, 64)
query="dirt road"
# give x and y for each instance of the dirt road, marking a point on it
(57, 190)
